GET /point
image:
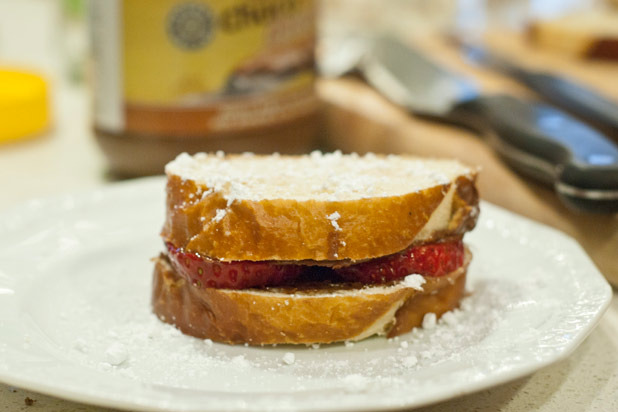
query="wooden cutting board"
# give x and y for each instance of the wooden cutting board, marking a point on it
(359, 119)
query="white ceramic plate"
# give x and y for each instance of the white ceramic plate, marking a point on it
(75, 319)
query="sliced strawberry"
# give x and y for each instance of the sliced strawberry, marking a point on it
(434, 259)
(204, 272)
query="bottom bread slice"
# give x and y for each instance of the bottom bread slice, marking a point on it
(301, 315)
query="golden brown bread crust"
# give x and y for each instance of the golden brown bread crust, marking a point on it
(286, 229)
(288, 316)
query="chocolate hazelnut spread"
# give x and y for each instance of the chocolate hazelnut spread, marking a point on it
(178, 75)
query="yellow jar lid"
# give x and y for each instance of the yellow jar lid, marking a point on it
(24, 110)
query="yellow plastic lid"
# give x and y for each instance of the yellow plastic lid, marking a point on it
(24, 110)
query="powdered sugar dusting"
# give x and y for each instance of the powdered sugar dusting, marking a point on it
(414, 281)
(356, 382)
(80, 345)
(288, 358)
(318, 176)
(219, 214)
(429, 321)
(116, 354)
(410, 361)
(333, 220)
(240, 361)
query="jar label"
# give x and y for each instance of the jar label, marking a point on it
(199, 67)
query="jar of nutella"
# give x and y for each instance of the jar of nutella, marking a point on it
(201, 75)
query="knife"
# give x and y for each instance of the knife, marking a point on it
(569, 95)
(534, 138)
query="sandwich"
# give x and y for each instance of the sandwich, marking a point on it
(319, 248)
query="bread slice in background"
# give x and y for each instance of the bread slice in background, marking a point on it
(592, 34)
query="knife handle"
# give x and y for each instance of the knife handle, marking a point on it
(548, 144)
(579, 100)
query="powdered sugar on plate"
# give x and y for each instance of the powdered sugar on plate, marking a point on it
(116, 354)
(288, 358)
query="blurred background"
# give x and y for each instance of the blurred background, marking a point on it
(100, 90)
(140, 90)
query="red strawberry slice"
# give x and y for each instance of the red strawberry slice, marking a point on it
(434, 259)
(204, 272)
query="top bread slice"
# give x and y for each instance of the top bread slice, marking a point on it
(320, 207)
